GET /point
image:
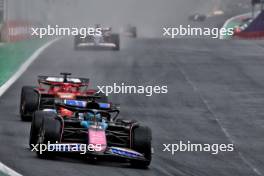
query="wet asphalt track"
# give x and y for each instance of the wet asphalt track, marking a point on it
(216, 95)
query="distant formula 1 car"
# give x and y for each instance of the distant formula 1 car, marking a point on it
(107, 40)
(50, 88)
(197, 17)
(92, 124)
(130, 31)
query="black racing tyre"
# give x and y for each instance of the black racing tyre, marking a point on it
(29, 102)
(50, 132)
(142, 137)
(116, 41)
(36, 125)
(76, 42)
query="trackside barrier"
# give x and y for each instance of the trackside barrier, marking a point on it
(250, 35)
(13, 31)
(255, 30)
(234, 22)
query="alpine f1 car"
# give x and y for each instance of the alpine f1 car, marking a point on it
(105, 40)
(91, 124)
(51, 87)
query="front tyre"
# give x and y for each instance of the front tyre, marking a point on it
(49, 133)
(76, 42)
(116, 41)
(36, 125)
(29, 102)
(142, 137)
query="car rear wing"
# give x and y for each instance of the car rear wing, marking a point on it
(84, 106)
(59, 80)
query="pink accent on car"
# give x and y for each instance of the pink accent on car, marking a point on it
(97, 137)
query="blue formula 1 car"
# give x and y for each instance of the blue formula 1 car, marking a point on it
(93, 129)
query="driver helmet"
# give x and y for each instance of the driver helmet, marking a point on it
(91, 117)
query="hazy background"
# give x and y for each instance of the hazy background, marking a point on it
(147, 15)
(149, 12)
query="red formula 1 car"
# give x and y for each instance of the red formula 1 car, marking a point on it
(50, 88)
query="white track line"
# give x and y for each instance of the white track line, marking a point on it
(8, 171)
(228, 136)
(24, 67)
(6, 85)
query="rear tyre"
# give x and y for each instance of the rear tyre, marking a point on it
(142, 137)
(134, 32)
(116, 41)
(50, 132)
(28, 103)
(76, 42)
(36, 125)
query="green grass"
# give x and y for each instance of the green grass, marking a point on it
(12, 55)
(2, 174)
